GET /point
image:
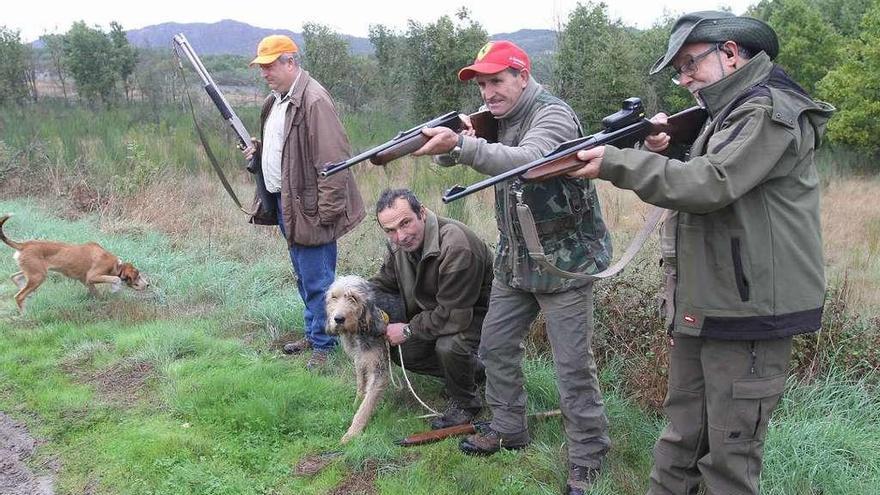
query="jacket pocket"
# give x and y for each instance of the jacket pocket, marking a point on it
(309, 201)
(742, 283)
(707, 276)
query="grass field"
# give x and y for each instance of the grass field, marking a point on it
(182, 389)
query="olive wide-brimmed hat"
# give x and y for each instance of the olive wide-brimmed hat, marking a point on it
(710, 25)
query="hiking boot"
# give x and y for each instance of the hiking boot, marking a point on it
(455, 415)
(580, 479)
(297, 346)
(317, 360)
(487, 441)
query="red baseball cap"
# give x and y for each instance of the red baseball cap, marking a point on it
(494, 57)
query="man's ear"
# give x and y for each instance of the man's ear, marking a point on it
(727, 50)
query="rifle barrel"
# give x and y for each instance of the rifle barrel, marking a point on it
(333, 168)
(181, 44)
(565, 149)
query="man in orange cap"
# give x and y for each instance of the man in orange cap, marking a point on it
(301, 133)
(532, 122)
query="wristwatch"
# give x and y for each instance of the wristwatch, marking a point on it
(407, 331)
(455, 153)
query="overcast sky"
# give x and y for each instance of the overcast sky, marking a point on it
(353, 17)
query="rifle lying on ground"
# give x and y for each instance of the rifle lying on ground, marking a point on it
(622, 129)
(410, 140)
(457, 431)
(181, 45)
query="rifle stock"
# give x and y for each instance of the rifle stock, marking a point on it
(437, 435)
(400, 149)
(411, 140)
(624, 128)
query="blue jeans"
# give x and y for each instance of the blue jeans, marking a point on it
(315, 268)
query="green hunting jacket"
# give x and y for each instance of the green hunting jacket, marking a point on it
(566, 211)
(748, 238)
(445, 286)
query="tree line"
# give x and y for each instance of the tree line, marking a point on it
(832, 47)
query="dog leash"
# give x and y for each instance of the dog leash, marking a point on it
(387, 319)
(408, 384)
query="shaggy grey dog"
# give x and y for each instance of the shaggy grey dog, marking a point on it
(359, 313)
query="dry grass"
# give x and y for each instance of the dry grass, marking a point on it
(851, 231)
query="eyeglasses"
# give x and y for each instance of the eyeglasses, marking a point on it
(689, 68)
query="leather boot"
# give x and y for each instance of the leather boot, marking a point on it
(487, 441)
(580, 479)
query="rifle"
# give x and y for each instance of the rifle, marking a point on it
(458, 430)
(410, 140)
(623, 128)
(181, 45)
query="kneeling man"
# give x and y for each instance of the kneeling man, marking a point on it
(443, 272)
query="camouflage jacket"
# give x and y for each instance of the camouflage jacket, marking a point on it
(566, 211)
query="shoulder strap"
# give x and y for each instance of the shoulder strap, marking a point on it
(536, 251)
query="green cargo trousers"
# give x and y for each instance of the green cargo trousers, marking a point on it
(569, 321)
(721, 395)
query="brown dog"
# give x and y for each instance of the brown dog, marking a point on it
(89, 263)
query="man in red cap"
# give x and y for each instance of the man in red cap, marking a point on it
(301, 133)
(532, 122)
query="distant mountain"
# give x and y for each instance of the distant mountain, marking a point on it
(238, 38)
(223, 37)
(534, 41)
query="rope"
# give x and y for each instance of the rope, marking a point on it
(390, 373)
(409, 385)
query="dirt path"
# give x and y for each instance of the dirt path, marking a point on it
(16, 446)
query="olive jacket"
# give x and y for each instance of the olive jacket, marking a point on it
(747, 239)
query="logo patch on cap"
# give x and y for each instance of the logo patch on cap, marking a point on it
(484, 51)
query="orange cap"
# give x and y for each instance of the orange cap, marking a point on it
(494, 57)
(271, 47)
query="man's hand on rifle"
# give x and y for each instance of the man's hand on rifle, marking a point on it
(593, 159)
(250, 150)
(443, 139)
(658, 142)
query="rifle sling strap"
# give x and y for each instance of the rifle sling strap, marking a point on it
(536, 251)
(208, 150)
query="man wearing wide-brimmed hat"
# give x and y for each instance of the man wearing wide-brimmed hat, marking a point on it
(747, 241)
(301, 133)
(532, 122)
